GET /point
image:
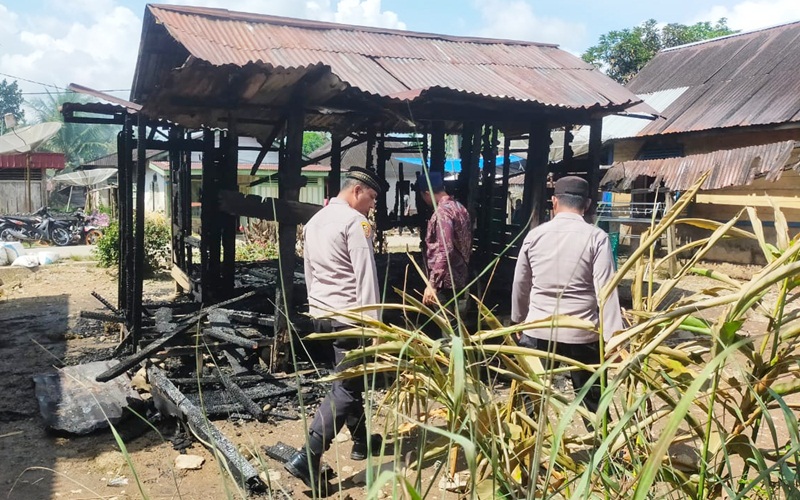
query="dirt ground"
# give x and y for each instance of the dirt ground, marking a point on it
(40, 329)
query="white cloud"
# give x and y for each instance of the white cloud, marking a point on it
(754, 14)
(98, 49)
(96, 42)
(366, 13)
(362, 12)
(516, 20)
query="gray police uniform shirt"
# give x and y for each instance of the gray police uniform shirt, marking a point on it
(339, 261)
(561, 267)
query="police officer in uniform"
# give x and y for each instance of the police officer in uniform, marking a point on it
(340, 274)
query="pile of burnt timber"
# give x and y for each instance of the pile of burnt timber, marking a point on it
(204, 363)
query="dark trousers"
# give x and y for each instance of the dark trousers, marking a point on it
(588, 354)
(344, 404)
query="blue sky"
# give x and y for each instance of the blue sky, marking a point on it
(95, 42)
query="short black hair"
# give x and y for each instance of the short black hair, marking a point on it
(572, 201)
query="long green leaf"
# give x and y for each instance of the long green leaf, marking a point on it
(651, 467)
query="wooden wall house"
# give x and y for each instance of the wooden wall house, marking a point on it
(729, 106)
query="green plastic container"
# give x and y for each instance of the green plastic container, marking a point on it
(614, 239)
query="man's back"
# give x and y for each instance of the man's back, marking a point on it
(563, 263)
(449, 245)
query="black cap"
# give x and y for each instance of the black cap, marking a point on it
(369, 178)
(436, 182)
(574, 185)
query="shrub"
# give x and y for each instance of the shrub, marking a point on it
(107, 249)
(256, 251)
(156, 244)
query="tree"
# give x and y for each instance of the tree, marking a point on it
(10, 102)
(80, 142)
(312, 141)
(623, 53)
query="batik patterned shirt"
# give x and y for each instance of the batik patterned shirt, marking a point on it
(449, 245)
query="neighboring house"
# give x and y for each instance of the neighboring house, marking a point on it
(356, 156)
(23, 180)
(157, 193)
(730, 106)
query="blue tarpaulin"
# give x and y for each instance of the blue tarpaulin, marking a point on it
(453, 165)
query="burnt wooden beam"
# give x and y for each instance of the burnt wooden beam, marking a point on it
(267, 147)
(111, 318)
(249, 317)
(107, 304)
(333, 153)
(231, 338)
(335, 175)
(187, 324)
(274, 209)
(238, 394)
(244, 473)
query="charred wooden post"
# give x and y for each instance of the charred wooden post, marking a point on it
(568, 153)
(228, 173)
(381, 210)
(165, 392)
(181, 213)
(465, 152)
(210, 227)
(437, 146)
(335, 175)
(505, 188)
(473, 166)
(290, 181)
(485, 226)
(125, 194)
(534, 195)
(138, 247)
(595, 156)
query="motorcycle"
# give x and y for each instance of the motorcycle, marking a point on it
(89, 228)
(39, 226)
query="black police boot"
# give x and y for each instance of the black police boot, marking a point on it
(298, 466)
(359, 451)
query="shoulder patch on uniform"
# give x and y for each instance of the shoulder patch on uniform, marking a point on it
(367, 227)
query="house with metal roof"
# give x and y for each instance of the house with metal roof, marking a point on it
(729, 106)
(206, 77)
(23, 180)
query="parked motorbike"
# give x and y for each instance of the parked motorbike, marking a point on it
(38, 226)
(89, 228)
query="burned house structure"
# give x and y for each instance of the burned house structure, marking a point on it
(205, 77)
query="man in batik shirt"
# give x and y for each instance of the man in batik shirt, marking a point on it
(448, 242)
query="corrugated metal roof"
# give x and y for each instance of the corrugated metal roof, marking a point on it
(739, 80)
(244, 168)
(38, 161)
(384, 63)
(728, 167)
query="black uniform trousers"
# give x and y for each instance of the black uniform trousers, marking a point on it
(588, 354)
(344, 404)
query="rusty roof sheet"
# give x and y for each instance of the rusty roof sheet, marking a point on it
(385, 63)
(50, 161)
(728, 167)
(734, 81)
